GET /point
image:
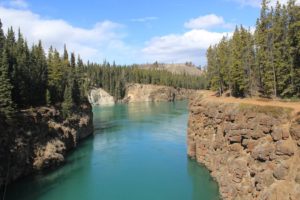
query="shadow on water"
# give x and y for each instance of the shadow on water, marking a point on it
(36, 186)
(204, 186)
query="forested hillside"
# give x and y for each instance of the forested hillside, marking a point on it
(29, 77)
(113, 78)
(266, 62)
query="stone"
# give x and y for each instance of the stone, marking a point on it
(258, 133)
(285, 134)
(295, 130)
(264, 179)
(281, 172)
(297, 177)
(262, 152)
(277, 133)
(284, 148)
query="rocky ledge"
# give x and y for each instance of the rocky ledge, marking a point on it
(252, 151)
(40, 139)
(155, 93)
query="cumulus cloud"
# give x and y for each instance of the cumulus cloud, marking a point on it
(144, 19)
(96, 44)
(106, 39)
(190, 46)
(203, 22)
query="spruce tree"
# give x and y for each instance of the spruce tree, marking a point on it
(6, 104)
(67, 104)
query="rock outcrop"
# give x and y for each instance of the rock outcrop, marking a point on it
(155, 93)
(40, 139)
(100, 97)
(252, 151)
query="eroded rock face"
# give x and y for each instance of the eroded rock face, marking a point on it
(41, 140)
(100, 97)
(154, 93)
(252, 154)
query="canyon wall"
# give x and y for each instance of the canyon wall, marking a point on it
(100, 97)
(155, 93)
(252, 151)
(40, 139)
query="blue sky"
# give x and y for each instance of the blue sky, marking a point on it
(130, 31)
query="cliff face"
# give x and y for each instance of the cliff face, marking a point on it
(41, 140)
(155, 93)
(100, 97)
(252, 151)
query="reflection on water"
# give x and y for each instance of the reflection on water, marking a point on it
(137, 153)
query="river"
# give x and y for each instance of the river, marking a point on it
(138, 153)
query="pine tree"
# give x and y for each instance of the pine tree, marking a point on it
(294, 45)
(261, 40)
(2, 39)
(6, 104)
(48, 98)
(67, 104)
(73, 60)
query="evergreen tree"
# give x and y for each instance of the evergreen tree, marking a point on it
(67, 104)
(2, 39)
(6, 105)
(73, 61)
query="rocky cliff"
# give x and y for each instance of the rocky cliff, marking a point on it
(100, 97)
(155, 93)
(253, 151)
(40, 139)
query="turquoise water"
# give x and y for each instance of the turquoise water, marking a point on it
(138, 153)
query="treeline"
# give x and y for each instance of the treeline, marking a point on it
(266, 62)
(29, 77)
(113, 78)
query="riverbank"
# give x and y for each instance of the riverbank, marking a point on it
(138, 152)
(40, 139)
(135, 93)
(250, 146)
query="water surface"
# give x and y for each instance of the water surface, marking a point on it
(138, 153)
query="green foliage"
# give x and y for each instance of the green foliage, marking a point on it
(264, 63)
(68, 103)
(113, 78)
(30, 78)
(48, 98)
(6, 105)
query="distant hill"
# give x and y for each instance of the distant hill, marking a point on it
(180, 68)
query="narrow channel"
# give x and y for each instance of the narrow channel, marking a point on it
(138, 153)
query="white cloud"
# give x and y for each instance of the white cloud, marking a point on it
(106, 39)
(190, 46)
(203, 22)
(143, 19)
(100, 42)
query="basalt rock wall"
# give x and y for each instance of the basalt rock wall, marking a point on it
(251, 151)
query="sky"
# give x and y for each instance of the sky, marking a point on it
(130, 31)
